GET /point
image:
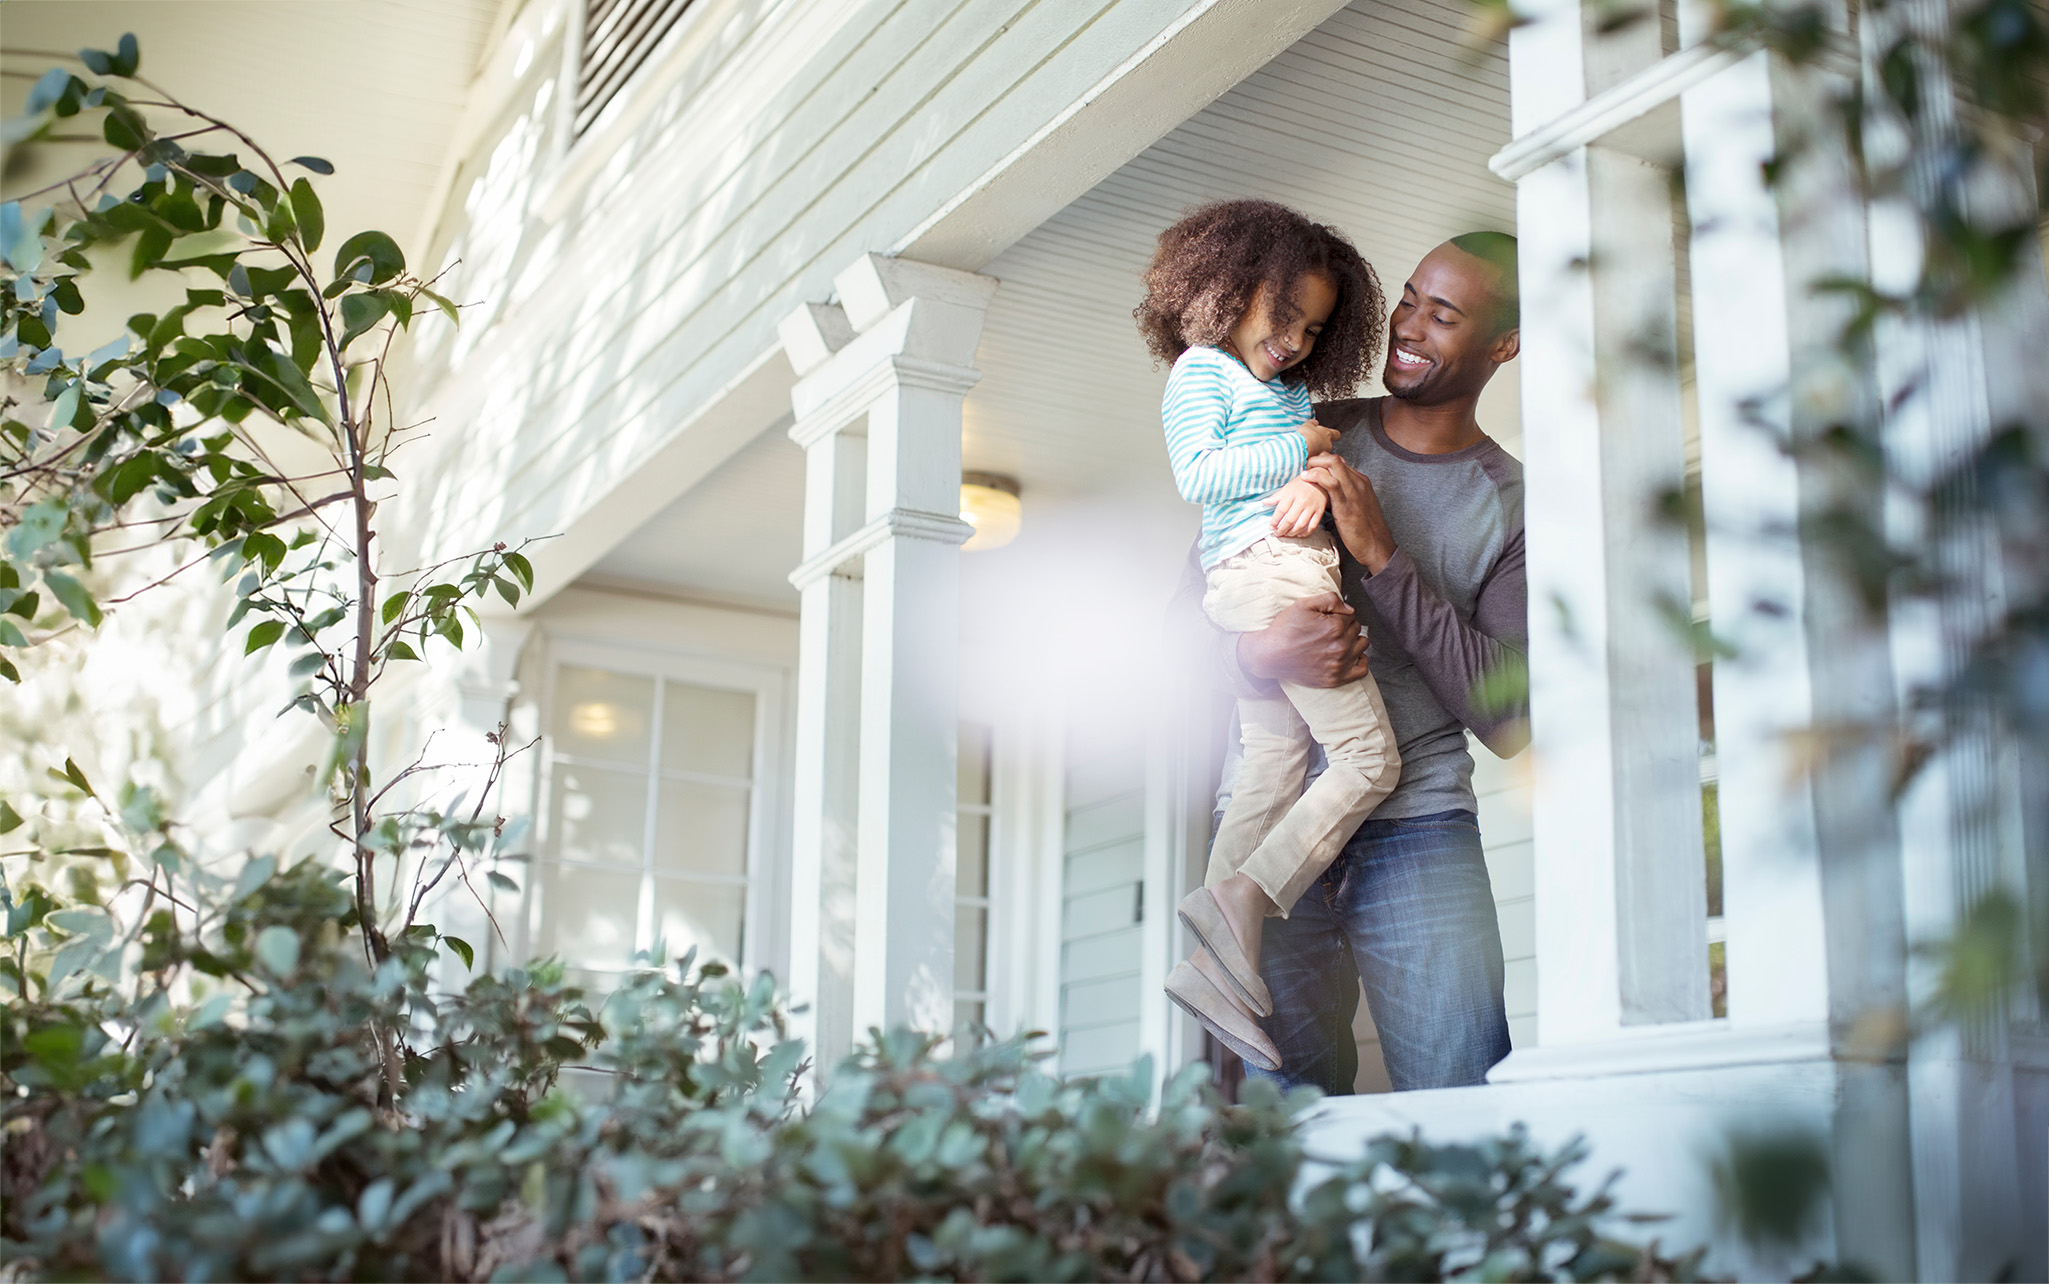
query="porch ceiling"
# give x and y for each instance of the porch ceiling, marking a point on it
(1380, 122)
(376, 86)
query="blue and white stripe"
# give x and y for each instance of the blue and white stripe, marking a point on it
(1231, 440)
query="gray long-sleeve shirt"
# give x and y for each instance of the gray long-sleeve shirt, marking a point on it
(1449, 608)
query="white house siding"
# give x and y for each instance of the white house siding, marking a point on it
(1102, 853)
(1504, 789)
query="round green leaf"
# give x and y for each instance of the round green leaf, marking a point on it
(359, 312)
(277, 949)
(375, 254)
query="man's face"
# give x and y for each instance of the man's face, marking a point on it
(1442, 341)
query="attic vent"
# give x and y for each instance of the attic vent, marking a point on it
(618, 36)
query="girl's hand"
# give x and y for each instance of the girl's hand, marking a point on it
(1321, 440)
(1298, 507)
(1361, 524)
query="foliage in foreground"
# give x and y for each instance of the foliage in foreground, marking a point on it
(250, 1134)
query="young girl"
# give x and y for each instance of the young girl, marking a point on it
(1258, 308)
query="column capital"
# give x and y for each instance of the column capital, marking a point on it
(898, 323)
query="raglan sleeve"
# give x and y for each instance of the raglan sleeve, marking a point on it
(1476, 668)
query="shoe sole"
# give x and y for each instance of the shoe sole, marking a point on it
(1250, 1055)
(1246, 996)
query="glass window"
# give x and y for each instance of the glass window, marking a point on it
(707, 730)
(602, 717)
(649, 834)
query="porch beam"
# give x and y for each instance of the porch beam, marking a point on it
(1203, 50)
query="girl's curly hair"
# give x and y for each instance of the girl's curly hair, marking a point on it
(1210, 267)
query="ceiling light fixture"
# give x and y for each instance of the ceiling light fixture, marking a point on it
(989, 503)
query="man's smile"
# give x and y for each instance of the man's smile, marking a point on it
(1406, 359)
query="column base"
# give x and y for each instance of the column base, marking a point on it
(1650, 1049)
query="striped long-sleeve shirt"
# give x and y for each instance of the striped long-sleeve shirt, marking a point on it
(1231, 440)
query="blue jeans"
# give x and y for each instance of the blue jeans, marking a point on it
(1407, 908)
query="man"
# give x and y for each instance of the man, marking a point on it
(1428, 514)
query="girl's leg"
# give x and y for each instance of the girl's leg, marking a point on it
(1351, 723)
(1275, 742)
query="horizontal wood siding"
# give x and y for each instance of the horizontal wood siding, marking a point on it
(800, 137)
(1099, 926)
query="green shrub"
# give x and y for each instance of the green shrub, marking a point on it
(258, 1133)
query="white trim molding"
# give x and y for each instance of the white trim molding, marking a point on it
(897, 523)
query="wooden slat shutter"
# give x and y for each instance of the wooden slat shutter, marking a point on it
(618, 36)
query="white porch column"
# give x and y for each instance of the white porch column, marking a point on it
(1812, 892)
(878, 404)
(1620, 874)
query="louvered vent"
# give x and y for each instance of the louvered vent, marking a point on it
(618, 36)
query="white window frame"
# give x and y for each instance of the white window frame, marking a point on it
(986, 996)
(763, 922)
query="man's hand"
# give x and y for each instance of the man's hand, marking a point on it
(1314, 642)
(1321, 440)
(1298, 508)
(1355, 509)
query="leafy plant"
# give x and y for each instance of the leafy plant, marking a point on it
(219, 1111)
(182, 432)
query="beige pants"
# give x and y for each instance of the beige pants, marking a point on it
(1276, 834)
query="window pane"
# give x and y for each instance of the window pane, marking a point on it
(972, 875)
(973, 782)
(970, 947)
(709, 730)
(700, 829)
(602, 715)
(599, 815)
(588, 916)
(707, 915)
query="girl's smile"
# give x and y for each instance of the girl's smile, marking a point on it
(1267, 347)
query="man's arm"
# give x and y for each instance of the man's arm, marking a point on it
(1455, 656)
(1460, 660)
(1315, 642)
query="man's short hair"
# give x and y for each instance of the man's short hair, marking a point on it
(1498, 248)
